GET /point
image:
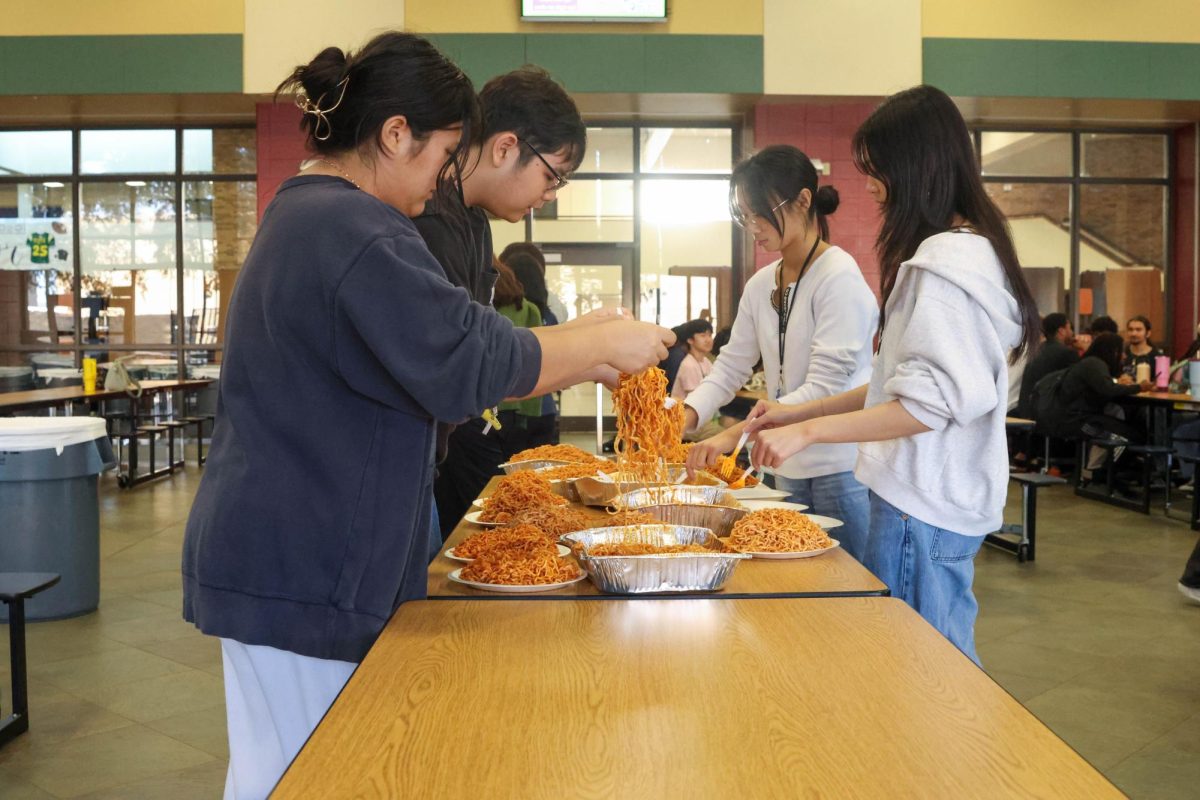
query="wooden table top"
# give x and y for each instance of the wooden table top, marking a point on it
(846, 697)
(59, 395)
(835, 573)
(1167, 397)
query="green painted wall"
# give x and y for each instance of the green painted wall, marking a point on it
(1034, 68)
(616, 62)
(120, 64)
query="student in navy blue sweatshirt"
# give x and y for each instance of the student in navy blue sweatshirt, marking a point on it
(344, 345)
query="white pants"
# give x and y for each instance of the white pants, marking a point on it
(273, 701)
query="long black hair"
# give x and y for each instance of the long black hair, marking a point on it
(347, 97)
(526, 268)
(917, 145)
(1109, 348)
(777, 175)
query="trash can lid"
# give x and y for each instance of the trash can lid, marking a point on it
(60, 372)
(15, 372)
(208, 371)
(39, 433)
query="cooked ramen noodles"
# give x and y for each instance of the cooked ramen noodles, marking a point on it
(777, 530)
(517, 492)
(552, 521)
(526, 570)
(518, 539)
(555, 452)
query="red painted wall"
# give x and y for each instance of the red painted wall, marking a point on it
(280, 148)
(824, 131)
(1181, 292)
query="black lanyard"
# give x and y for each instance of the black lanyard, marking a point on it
(787, 299)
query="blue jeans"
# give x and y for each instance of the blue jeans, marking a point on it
(929, 568)
(839, 496)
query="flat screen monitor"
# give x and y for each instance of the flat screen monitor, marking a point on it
(594, 10)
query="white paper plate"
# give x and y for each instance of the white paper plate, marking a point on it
(477, 502)
(760, 492)
(562, 551)
(758, 505)
(497, 587)
(790, 556)
(473, 518)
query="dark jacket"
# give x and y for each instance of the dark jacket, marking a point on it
(460, 239)
(1052, 356)
(1132, 360)
(344, 343)
(1085, 389)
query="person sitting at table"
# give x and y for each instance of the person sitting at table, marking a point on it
(1055, 353)
(345, 345)
(1082, 403)
(1139, 349)
(696, 339)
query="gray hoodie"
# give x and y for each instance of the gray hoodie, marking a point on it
(950, 324)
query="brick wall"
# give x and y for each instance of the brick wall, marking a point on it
(280, 148)
(824, 131)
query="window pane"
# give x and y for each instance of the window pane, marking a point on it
(219, 221)
(609, 150)
(1123, 155)
(687, 249)
(1034, 154)
(35, 152)
(687, 149)
(587, 211)
(103, 152)
(221, 150)
(127, 238)
(1122, 251)
(37, 300)
(1039, 217)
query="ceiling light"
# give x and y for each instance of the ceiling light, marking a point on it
(135, 183)
(53, 184)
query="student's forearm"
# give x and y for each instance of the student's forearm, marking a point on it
(878, 423)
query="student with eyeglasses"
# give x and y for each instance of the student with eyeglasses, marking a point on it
(809, 316)
(956, 312)
(345, 343)
(532, 136)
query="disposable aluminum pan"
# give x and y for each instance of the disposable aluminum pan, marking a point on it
(661, 495)
(718, 519)
(669, 572)
(510, 467)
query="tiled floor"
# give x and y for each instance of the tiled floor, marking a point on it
(1093, 638)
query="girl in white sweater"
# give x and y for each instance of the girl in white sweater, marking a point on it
(931, 422)
(809, 316)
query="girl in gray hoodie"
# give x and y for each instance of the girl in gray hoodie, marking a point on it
(930, 424)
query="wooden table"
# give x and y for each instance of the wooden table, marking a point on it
(1176, 400)
(835, 574)
(65, 395)
(850, 697)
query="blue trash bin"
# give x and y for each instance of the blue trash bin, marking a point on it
(49, 508)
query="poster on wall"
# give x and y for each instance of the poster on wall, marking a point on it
(33, 243)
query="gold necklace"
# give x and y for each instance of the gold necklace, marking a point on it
(337, 167)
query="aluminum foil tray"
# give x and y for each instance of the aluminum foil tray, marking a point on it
(718, 519)
(510, 467)
(661, 495)
(670, 572)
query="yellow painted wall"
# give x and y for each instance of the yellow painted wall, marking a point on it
(283, 33)
(729, 17)
(847, 47)
(131, 17)
(1073, 20)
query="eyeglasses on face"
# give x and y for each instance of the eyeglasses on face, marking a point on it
(559, 180)
(749, 219)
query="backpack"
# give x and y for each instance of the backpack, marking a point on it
(1046, 403)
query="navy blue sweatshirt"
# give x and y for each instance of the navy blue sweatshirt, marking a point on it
(344, 344)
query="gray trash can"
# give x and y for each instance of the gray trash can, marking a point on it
(16, 379)
(49, 509)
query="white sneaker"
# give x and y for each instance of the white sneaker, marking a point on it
(1190, 593)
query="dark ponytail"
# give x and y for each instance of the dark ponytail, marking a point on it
(347, 97)
(774, 177)
(917, 145)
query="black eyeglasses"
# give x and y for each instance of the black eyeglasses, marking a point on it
(559, 180)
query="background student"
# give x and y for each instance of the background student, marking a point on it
(809, 317)
(956, 308)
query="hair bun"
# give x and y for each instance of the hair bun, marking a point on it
(826, 200)
(323, 73)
